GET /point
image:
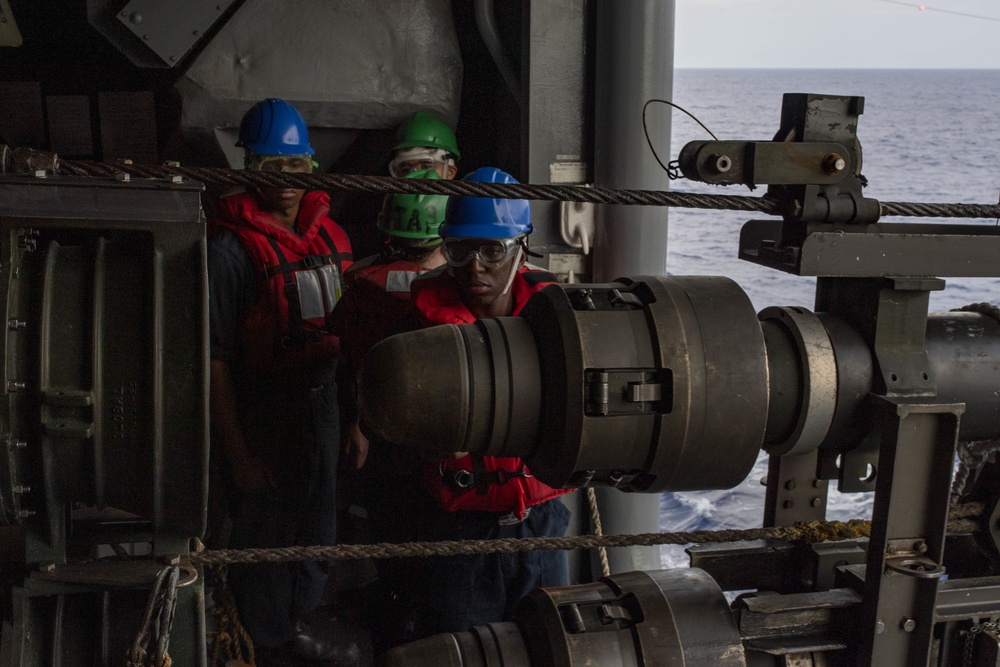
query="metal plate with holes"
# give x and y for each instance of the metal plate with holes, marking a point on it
(171, 27)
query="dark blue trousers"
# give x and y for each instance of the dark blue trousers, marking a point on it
(454, 593)
(295, 431)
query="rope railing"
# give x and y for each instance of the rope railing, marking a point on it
(961, 519)
(570, 193)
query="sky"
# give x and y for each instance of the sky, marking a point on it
(839, 34)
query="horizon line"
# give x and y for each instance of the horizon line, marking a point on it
(841, 69)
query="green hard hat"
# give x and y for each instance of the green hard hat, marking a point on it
(425, 129)
(414, 216)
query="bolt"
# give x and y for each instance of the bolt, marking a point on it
(135, 18)
(834, 164)
(172, 559)
(47, 567)
(196, 33)
(171, 163)
(14, 324)
(790, 484)
(890, 550)
(879, 627)
(816, 502)
(920, 547)
(788, 504)
(21, 489)
(24, 514)
(763, 481)
(41, 173)
(908, 624)
(122, 177)
(13, 385)
(146, 37)
(19, 444)
(173, 59)
(817, 484)
(176, 179)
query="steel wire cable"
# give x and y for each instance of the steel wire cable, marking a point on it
(570, 193)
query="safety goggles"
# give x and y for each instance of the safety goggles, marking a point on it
(299, 164)
(490, 252)
(408, 161)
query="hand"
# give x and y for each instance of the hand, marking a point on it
(355, 445)
(449, 456)
(251, 475)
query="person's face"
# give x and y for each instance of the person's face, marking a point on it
(282, 200)
(279, 200)
(481, 269)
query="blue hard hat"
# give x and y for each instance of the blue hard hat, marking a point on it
(274, 127)
(486, 218)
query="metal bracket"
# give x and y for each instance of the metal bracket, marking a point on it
(170, 29)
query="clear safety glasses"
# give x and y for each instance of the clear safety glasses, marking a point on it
(401, 169)
(490, 252)
(409, 161)
(301, 164)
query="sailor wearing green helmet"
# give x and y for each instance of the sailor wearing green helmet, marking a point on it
(425, 142)
(378, 289)
(411, 222)
(377, 298)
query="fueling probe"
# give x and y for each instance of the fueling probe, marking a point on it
(655, 384)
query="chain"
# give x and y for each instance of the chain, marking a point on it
(970, 639)
(150, 646)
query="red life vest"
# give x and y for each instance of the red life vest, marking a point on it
(483, 483)
(376, 300)
(300, 282)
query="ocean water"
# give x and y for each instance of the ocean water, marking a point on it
(926, 136)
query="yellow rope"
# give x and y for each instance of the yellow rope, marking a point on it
(803, 532)
(595, 519)
(230, 642)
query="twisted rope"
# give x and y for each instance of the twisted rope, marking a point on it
(230, 642)
(811, 532)
(570, 193)
(595, 519)
(808, 533)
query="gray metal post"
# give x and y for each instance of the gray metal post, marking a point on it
(634, 54)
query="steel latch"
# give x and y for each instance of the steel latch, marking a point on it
(639, 392)
(610, 392)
